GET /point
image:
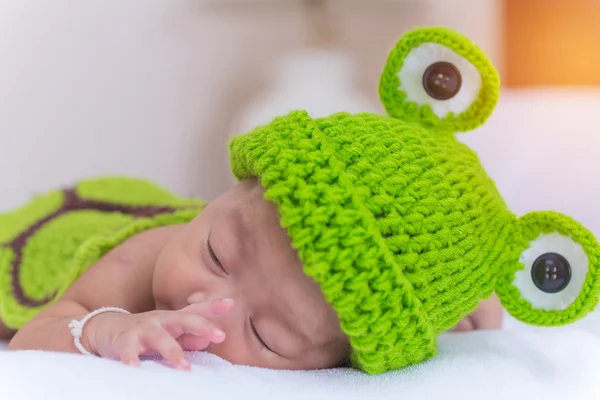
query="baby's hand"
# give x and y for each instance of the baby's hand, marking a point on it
(488, 315)
(126, 337)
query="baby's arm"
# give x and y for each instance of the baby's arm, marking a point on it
(122, 278)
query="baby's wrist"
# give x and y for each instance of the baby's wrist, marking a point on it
(92, 332)
(89, 334)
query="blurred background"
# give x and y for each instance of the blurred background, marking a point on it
(156, 88)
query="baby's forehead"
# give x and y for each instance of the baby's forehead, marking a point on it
(281, 271)
(249, 194)
(249, 210)
(247, 206)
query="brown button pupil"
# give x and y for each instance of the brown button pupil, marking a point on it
(442, 80)
(551, 272)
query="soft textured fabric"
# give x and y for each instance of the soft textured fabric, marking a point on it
(48, 243)
(552, 364)
(399, 222)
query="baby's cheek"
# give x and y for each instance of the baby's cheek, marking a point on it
(169, 283)
(233, 350)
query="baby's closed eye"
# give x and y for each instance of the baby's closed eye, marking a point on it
(213, 256)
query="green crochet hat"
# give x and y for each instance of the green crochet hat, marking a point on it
(397, 220)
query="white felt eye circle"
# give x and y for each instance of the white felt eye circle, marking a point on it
(555, 268)
(435, 75)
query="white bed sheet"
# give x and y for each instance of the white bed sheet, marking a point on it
(500, 365)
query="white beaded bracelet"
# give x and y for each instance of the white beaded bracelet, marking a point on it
(77, 326)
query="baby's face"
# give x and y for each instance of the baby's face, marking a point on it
(236, 248)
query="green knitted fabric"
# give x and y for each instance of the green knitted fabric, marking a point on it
(585, 292)
(47, 244)
(396, 219)
(397, 101)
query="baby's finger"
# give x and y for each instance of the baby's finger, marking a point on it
(128, 350)
(488, 314)
(130, 356)
(210, 308)
(193, 343)
(166, 345)
(464, 325)
(194, 325)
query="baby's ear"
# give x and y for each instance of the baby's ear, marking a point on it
(439, 78)
(552, 273)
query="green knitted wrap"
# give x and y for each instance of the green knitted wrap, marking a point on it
(48, 243)
(396, 219)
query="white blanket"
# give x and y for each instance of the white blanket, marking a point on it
(541, 364)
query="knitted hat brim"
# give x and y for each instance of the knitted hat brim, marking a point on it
(337, 240)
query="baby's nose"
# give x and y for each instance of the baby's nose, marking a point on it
(197, 297)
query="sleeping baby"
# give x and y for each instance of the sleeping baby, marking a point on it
(228, 282)
(351, 240)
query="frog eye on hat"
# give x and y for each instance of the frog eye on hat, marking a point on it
(438, 77)
(554, 277)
